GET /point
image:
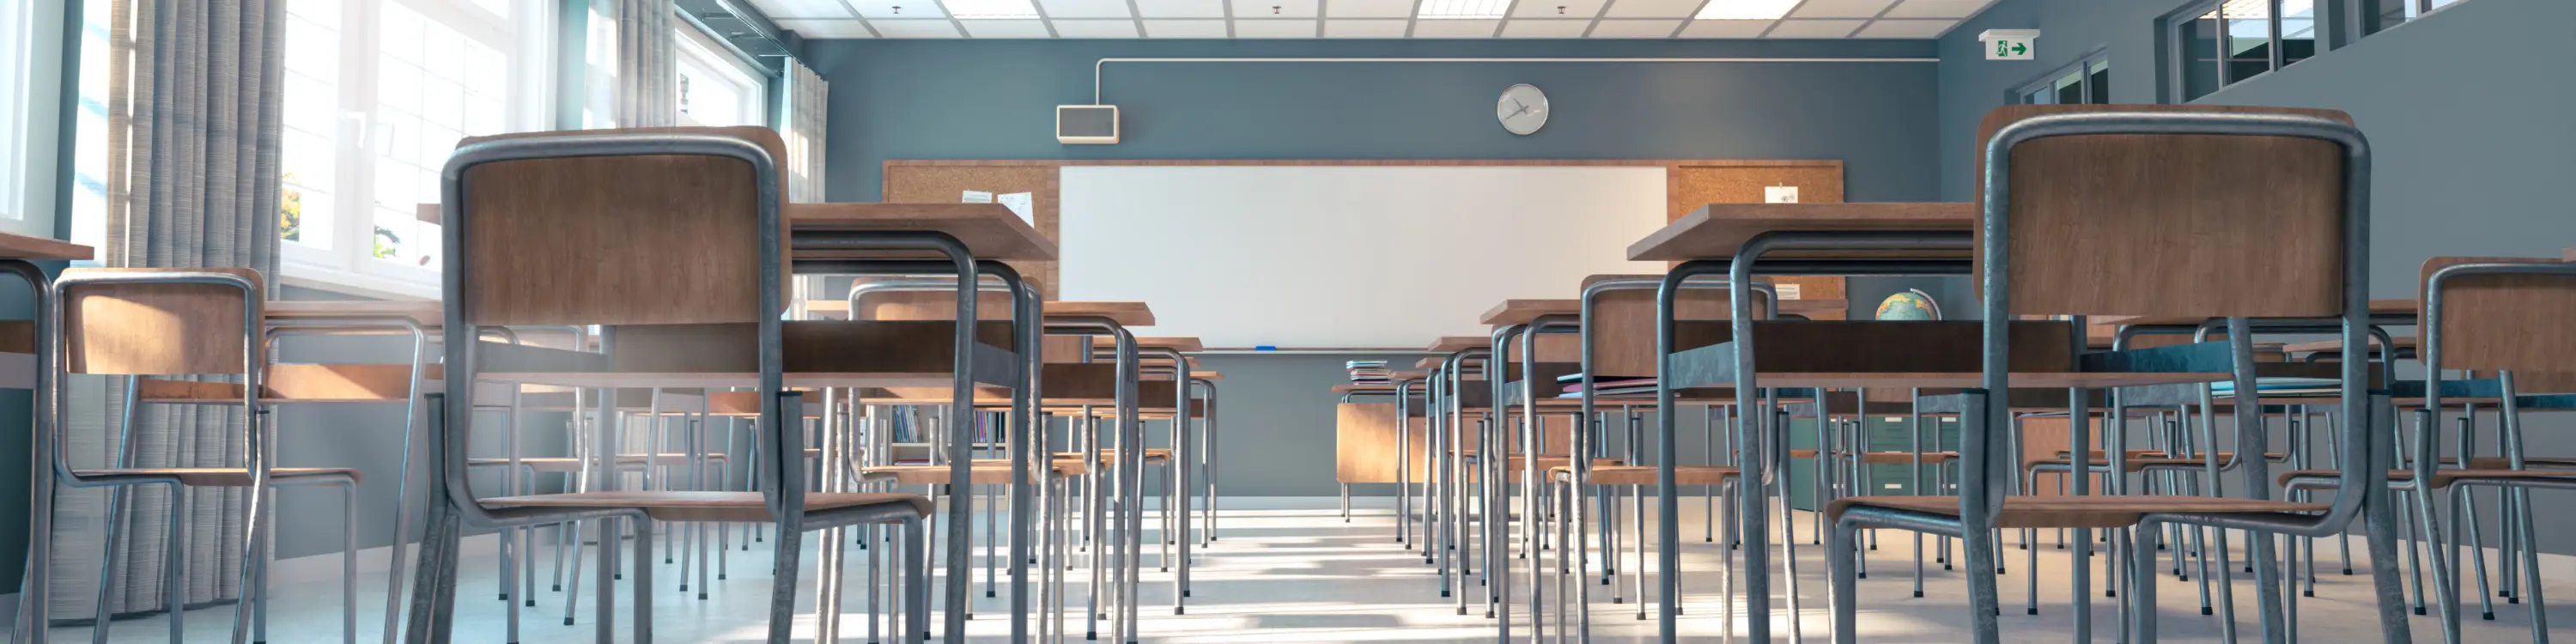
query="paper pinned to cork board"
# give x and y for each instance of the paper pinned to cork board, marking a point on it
(1023, 204)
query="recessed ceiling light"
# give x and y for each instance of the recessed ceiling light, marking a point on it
(992, 9)
(1745, 9)
(1463, 9)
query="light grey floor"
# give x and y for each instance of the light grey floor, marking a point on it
(1289, 570)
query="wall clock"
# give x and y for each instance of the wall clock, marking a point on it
(1522, 109)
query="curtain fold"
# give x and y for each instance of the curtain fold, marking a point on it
(804, 130)
(648, 92)
(192, 159)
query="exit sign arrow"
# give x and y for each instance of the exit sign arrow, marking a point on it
(2010, 44)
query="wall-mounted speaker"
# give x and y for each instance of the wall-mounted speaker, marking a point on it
(1086, 124)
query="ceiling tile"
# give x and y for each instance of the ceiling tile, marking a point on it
(782, 10)
(1274, 8)
(1454, 28)
(1095, 28)
(1725, 28)
(1368, 8)
(1635, 28)
(1364, 28)
(1180, 8)
(826, 28)
(1937, 8)
(1556, 9)
(1840, 8)
(1814, 28)
(915, 28)
(1652, 8)
(1905, 29)
(1185, 29)
(1291, 28)
(1084, 8)
(1545, 28)
(873, 9)
(1006, 28)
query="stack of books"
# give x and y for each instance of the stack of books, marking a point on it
(1606, 385)
(1369, 372)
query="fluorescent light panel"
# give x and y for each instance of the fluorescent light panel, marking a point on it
(991, 9)
(1463, 9)
(1746, 9)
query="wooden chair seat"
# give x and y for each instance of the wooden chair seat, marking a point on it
(1906, 458)
(1062, 468)
(296, 383)
(2080, 511)
(2444, 477)
(2502, 463)
(2140, 460)
(1152, 455)
(1645, 474)
(977, 473)
(745, 507)
(570, 464)
(214, 476)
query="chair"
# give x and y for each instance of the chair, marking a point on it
(182, 322)
(2490, 314)
(2076, 197)
(632, 201)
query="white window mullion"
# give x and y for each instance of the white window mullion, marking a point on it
(354, 231)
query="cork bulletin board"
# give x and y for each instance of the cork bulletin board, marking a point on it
(1689, 184)
(946, 181)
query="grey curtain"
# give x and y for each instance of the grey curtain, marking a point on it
(648, 92)
(192, 182)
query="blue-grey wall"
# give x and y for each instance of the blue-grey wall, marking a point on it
(949, 99)
(995, 100)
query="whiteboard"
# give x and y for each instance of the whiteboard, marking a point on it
(1345, 256)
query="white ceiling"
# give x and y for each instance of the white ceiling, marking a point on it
(1629, 19)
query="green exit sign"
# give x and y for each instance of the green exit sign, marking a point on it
(2010, 44)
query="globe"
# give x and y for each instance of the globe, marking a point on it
(1909, 305)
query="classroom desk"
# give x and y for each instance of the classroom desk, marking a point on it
(1744, 240)
(1720, 230)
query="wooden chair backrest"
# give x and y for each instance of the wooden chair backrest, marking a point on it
(666, 239)
(2519, 323)
(2168, 224)
(155, 329)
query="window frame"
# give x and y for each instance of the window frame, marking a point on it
(17, 76)
(523, 36)
(695, 47)
(2082, 68)
(2178, 46)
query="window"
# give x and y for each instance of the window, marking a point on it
(2220, 43)
(17, 18)
(378, 92)
(716, 87)
(2087, 82)
(2393, 12)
